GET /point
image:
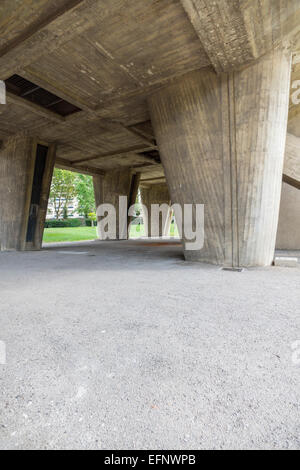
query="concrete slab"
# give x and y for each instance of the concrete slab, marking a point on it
(286, 261)
(132, 348)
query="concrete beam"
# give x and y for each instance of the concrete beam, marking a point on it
(222, 31)
(235, 33)
(86, 170)
(147, 168)
(138, 134)
(35, 108)
(48, 35)
(116, 153)
(158, 180)
(42, 82)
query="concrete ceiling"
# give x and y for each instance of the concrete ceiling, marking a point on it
(106, 56)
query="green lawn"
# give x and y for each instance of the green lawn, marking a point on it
(139, 231)
(75, 234)
(69, 234)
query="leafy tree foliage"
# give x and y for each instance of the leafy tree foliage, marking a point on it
(62, 191)
(84, 188)
(67, 186)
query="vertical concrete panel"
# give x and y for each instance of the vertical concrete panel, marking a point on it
(261, 96)
(188, 127)
(17, 164)
(46, 186)
(98, 190)
(156, 194)
(110, 187)
(288, 233)
(16, 174)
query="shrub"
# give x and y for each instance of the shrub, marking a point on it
(89, 223)
(54, 223)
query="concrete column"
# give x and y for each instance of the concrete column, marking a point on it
(110, 187)
(156, 194)
(221, 141)
(288, 234)
(26, 169)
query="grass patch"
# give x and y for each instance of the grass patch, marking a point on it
(69, 234)
(76, 234)
(139, 231)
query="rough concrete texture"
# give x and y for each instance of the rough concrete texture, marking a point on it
(286, 261)
(123, 345)
(288, 232)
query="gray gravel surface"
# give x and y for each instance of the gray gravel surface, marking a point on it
(123, 345)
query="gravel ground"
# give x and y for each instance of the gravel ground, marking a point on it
(123, 345)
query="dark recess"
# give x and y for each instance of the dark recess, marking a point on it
(154, 154)
(35, 94)
(40, 164)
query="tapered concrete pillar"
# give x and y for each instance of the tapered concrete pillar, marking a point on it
(221, 141)
(26, 169)
(156, 194)
(108, 190)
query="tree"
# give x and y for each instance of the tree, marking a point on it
(93, 218)
(62, 191)
(85, 195)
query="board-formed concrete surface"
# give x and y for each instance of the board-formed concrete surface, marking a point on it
(123, 345)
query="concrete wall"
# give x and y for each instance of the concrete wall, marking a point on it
(156, 194)
(17, 170)
(288, 234)
(109, 188)
(16, 175)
